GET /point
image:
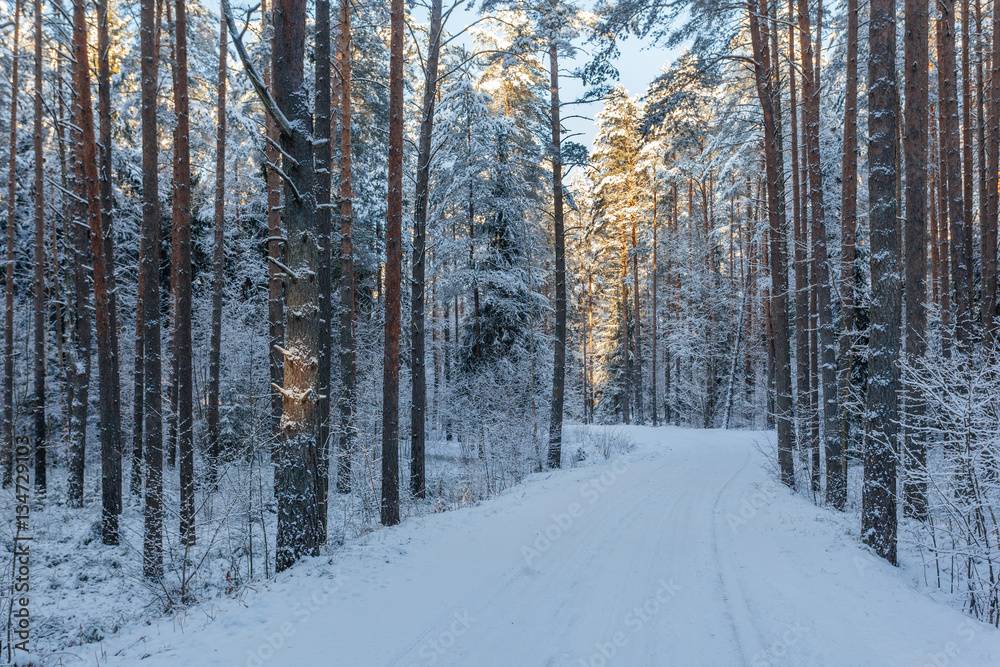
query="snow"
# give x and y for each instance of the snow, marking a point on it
(681, 552)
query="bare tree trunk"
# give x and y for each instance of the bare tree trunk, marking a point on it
(848, 236)
(915, 154)
(393, 270)
(347, 369)
(275, 253)
(323, 134)
(655, 313)
(113, 450)
(7, 460)
(38, 404)
(135, 481)
(951, 145)
(218, 276)
(879, 491)
(152, 448)
(554, 457)
(968, 175)
(87, 156)
(779, 277)
(800, 244)
(942, 216)
(182, 259)
(989, 247)
(418, 369)
(171, 353)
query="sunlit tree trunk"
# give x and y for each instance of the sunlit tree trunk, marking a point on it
(347, 369)
(393, 269)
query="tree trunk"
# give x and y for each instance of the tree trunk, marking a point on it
(418, 403)
(152, 449)
(554, 457)
(779, 277)
(182, 260)
(951, 145)
(218, 276)
(296, 452)
(275, 253)
(915, 234)
(323, 133)
(879, 491)
(655, 313)
(38, 402)
(87, 155)
(347, 369)
(989, 249)
(7, 460)
(801, 246)
(393, 274)
(848, 236)
(111, 459)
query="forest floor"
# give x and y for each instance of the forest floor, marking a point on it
(682, 552)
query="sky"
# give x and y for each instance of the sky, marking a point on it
(637, 65)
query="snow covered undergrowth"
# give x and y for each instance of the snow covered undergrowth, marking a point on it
(682, 552)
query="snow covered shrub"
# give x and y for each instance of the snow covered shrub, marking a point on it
(960, 429)
(598, 443)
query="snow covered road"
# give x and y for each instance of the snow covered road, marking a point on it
(682, 553)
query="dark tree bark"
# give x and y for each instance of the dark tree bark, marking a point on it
(915, 155)
(112, 445)
(182, 263)
(951, 145)
(87, 155)
(393, 269)
(764, 79)
(347, 370)
(418, 369)
(323, 134)
(38, 357)
(296, 454)
(968, 175)
(152, 560)
(275, 254)
(173, 358)
(989, 241)
(654, 315)
(135, 481)
(218, 276)
(559, 361)
(7, 460)
(848, 234)
(878, 518)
